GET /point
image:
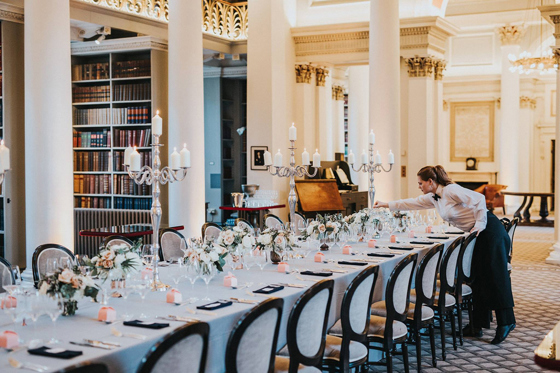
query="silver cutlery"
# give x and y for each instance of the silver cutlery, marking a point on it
(102, 342)
(118, 333)
(96, 345)
(177, 318)
(241, 300)
(34, 367)
(300, 286)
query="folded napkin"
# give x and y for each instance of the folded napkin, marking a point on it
(215, 305)
(269, 289)
(439, 237)
(401, 247)
(381, 255)
(454, 232)
(353, 263)
(422, 242)
(313, 273)
(55, 352)
(141, 324)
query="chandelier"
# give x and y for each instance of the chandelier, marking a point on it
(526, 64)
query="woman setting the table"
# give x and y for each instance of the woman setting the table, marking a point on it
(467, 210)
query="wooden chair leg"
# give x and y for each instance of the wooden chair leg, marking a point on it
(442, 332)
(405, 357)
(460, 323)
(389, 361)
(470, 312)
(433, 344)
(453, 330)
(418, 350)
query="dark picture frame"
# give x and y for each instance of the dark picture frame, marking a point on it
(257, 158)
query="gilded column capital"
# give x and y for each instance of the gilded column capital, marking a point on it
(556, 56)
(304, 73)
(338, 92)
(527, 102)
(439, 67)
(510, 35)
(320, 76)
(424, 67)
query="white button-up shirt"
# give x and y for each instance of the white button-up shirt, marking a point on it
(459, 206)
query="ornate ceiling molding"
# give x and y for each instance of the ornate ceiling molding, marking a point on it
(321, 76)
(322, 43)
(304, 73)
(510, 35)
(337, 92)
(420, 67)
(140, 43)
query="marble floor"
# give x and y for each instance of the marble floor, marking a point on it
(536, 290)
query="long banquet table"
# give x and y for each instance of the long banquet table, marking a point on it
(127, 357)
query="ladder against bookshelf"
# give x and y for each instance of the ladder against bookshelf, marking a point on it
(116, 90)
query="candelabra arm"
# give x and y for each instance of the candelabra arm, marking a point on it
(362, 167)
(170, 175)
(383, 168)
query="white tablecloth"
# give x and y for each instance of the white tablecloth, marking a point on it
(127, 358)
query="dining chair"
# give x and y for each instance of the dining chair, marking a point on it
(306, 331)
(299, 221)
(210, 231)
(420, 315)
(6, 274)
(42, 254)
(85, 367)
(256, 331)
(346, 346)
(511, 232)
(117, 240)
(463, 291)
(172, 244)
(240, 222)
(391, 330)
(273, 221)
(183, 350)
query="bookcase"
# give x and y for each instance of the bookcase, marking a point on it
(346, 126)
(117, 87)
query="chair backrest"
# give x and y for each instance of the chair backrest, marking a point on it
(183, 350)
(273, 221)
(86, 367)
(44, 252)
(307, 326)
(172, 244)
(6, 274)
(240, 222)
(426, 279)
(448, 270)
(511, 232)
(258, 331)
(465, 259)
(210, 231)
(355, 310)
(397, 293)
(117, 240)
(299, 221)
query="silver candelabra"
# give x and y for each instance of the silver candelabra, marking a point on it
(371, 168)
(156, 176)
(292, 171)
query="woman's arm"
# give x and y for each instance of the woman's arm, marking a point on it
(422, 202)
(472, 199)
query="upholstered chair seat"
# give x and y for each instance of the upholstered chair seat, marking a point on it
(380, 309)
(466, 289)
(282, 365)
(449, 299)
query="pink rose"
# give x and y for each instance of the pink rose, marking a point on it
(66, 276)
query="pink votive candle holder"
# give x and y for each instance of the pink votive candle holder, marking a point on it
(393, 238)
(283, 267)
(174, 296)
(107, 314)
(319, 257)
(9, 339)
(347, 250)
(372, 243)
(230, 280)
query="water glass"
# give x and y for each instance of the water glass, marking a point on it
(52, 266)
(261, 258)
(65, 262)
(36, 308)
(148, 255)
(207, 271)
(54, 306)
(192, 273)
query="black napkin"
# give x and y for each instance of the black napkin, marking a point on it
(438, 237)
(44, 351)
(141, 324)
(422, 242)
(269, 289)
(401, 248)
(451, 232)
(312, 273)
(381, 255)
(353, 263)
(215, 305)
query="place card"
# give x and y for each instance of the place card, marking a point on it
(269, 289)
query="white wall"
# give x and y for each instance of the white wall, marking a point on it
(212, 144)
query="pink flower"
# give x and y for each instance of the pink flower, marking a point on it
(66, 276)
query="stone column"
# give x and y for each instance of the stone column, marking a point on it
(527, 107)
(509, 125)
(48, 120)
(324, 113)
(186, 113)
(384, 97)
(358, 120)
(338, 118)
(304, 108)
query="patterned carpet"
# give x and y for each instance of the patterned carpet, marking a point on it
(536, 290)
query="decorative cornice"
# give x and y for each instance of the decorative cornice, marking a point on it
(527, 102)
(143, 42)
(555, 19)
(321, 76)
(510, 35)
(332, 43)
(338, 92)
(229, 72)
(556, 55)
(304, 73)
(6, 15)
(424, 67)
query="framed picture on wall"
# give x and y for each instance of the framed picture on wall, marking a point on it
(257, 158)
(472, 131)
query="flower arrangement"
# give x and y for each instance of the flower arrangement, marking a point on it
(236, 240)
(118, 260)
(322, 225)
(208, 253)
(71, 285)
(276, 240)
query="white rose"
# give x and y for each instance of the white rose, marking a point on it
(265, 239)
(94, 259)
(247, 242)
(119, 259)
(108, 255)
(279, 240)
(214, 256)
(310, 229)
(205, 257)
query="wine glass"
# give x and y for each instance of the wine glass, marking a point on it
(54, 306)
(7, 276)
(36, 308)
(65, 262)
(261, 258)
(176, 271)
(141, 284)
(249, 259)
(192, 273)
(52, 266)
(207, 271)
(148, 255)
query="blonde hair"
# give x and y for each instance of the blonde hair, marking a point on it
(436, 173)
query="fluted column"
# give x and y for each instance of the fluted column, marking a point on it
(48, 120)
(186, 112)
(304, 108)
(324, 112)
(509, 124)
(358, 119)
(384, 88)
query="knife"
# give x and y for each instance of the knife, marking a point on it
(92, 341)
(241, 300)
(103, 346)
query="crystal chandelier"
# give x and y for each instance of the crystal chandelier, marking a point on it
(526, 64)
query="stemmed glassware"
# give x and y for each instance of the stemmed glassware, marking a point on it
(15, 307)
(261, 258)
(8, 275)
(207, 271)
(36, 307)
(176, 270)
(192, 272)
(141, 285)
(52, 266)
(54, 306)
(148, 255)
(64, 262)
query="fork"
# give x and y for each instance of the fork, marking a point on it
(34, 367)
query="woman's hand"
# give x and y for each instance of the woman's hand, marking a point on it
(475, 229)
(378, 204)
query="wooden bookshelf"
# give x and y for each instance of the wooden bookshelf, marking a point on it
(116, 92)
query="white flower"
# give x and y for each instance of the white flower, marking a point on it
(279, 240)
(310, 229)
(94, 259)
(205, 258)
(119, 259)
(44, 287)
(322, 228)
(248, 241)
(107, 254)
(214, 256)
(265, 239)
(228, 237)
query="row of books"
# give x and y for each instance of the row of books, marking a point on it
(92, 184)
(132, 115)
(90, 71)
(132, 92)
(98, 139)
(132, 203)
(124, 138)
(91, 116)
(131, 69)
(92, 202)
(118, 159)
(98, 93)
(91, 161)
(123, 184)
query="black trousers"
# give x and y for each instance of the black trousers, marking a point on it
(482, 317)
